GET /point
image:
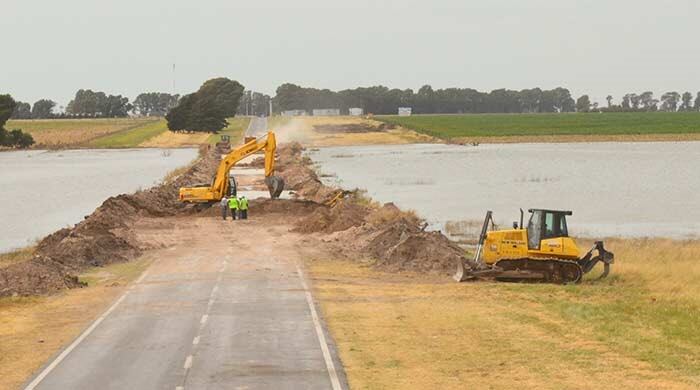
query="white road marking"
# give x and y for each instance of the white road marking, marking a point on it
(179, 388)
(202, 323)
(332, 373)
(141, 278)
(82, 336)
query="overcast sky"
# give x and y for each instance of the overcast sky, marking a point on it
(52, 48)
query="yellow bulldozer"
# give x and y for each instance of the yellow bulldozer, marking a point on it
(224, 184)
(541, 252)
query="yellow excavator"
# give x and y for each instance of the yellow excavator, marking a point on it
(224, 184)
(541, 252)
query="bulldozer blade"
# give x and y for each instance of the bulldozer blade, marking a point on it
(462, 275)
(275, 185)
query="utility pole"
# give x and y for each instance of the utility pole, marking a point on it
(270, 113)
(173, 78)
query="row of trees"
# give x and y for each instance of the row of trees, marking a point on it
(15, 138)
(90, 104)
(643, 102)
(41, 109)
(382, 100)
(207, 109)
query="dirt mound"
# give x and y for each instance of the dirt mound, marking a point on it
(399, 247)
(284, 206)
(343, 216)
(34, 277)
(299, 176)
(258, 162)
(104, 236)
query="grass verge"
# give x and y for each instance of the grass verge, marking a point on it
(131, 138)
(646, 126)
(32, 329)
(634, 329)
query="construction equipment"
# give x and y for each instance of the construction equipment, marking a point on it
(224, 184)
(542, 252)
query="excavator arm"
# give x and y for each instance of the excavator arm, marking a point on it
(220, 184)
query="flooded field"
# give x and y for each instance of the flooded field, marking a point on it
(614, 189)
(45, 191)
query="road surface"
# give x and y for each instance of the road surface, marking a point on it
(212, 312)
(257, 127)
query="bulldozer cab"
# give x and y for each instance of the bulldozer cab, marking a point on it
(545, 224)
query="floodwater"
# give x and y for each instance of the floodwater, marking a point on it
(614, 189)
(43, 191)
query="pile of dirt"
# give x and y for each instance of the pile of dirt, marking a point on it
(258, 162)
(299, 176)
(343, 216)
(394, 238)
(104, 236)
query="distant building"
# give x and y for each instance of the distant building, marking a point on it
(355, 111)
(294, 113)
(326, 112)
(405, 111)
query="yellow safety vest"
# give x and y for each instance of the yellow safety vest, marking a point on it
(243, 202)
(233, 203)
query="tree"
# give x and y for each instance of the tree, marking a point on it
(626, 102)
(155, 103)
(648, 102)
(14, 138)
(609, 98)
(43, 108)
(670, 101)
(583, 104)
(98, 104)
(208, 108)
(696, 106)
(687, 102)
(7, 107)
(22, 111)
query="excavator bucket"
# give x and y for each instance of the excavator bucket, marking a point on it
(275, 185)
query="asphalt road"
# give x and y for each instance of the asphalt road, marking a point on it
(212, 312)
(257, 127)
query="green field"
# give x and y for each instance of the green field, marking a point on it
(131, 138)
(507, 125)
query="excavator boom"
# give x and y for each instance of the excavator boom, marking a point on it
(221, 184)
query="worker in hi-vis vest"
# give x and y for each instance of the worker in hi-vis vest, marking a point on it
(233, 205)
(243, 207)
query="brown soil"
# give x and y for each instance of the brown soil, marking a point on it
(354, 227)
(364, 127)
(395, 239)
(103, 237)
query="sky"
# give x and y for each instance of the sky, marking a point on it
(597, 47)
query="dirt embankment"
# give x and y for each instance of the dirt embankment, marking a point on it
(358, 228)
(351, 225)
(103, 237)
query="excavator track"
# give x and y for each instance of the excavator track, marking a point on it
(529, 270)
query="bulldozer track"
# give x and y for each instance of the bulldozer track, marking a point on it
(538, 270)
